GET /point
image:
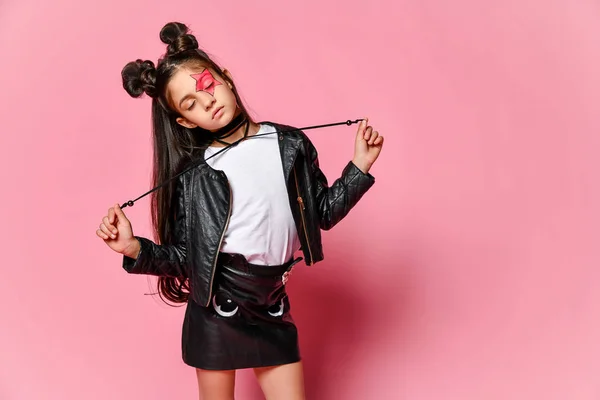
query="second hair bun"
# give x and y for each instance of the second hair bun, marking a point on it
(177, 38)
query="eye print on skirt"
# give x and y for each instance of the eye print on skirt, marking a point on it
(224, 306)
(276, 310)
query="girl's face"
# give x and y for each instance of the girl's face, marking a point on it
(202, 98)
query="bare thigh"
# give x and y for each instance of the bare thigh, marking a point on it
(282, 381)
(216, 385)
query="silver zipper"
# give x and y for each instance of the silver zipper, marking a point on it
(301, 204)
(212, 275)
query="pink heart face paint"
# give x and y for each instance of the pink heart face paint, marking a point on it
(206, 82)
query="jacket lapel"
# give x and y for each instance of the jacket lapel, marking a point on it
(289, 145)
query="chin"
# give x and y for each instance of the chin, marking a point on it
(227, 116)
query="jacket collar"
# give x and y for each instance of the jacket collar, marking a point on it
(290, 142)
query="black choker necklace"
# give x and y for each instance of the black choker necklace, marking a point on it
(231, 128)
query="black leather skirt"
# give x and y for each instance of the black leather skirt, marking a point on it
(248, 323)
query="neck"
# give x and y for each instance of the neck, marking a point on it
(234, 131)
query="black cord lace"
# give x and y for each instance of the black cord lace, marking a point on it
(130, 203)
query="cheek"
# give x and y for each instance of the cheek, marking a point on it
(199, 118)
(196, 116)
(227, 94)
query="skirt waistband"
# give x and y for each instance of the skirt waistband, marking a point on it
(239, 262)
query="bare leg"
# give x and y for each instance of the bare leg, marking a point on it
(282, 381)
(216, 385)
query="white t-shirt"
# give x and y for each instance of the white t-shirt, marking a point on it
(261, 226)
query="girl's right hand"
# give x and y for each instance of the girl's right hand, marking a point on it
(117, 233)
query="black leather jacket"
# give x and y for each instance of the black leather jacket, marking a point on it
(204, 206)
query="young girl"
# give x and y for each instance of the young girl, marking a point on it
(229, 227)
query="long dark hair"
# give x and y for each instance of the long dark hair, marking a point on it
(174, 145)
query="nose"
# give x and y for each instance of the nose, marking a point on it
(207, 101)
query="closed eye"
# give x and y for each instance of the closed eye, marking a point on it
(191, 106)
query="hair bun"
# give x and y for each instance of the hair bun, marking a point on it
(177, 38)
(139, 77)
(171, 31)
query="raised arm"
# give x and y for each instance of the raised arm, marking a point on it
(149, 258)
(335, 202)
(142, 255)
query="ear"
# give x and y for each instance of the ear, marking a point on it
(186, 123)
(228, 77)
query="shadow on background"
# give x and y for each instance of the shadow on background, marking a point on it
(339, 318)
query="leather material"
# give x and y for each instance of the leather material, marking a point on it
(248, 322)
(203, 204)
(253, 293)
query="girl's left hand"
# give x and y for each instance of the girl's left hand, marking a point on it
(367, 147)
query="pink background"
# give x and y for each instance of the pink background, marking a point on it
(469, 271)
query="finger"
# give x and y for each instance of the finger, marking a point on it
(109, 226)
(368, 132)
(378, 141)
(105, 230)
(120, 214)
(373, 138)
(111, 215)
(361, 127)
(102, 234)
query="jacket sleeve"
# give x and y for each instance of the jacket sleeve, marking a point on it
(335, 202)
(165, 259)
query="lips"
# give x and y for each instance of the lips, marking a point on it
(216, 111)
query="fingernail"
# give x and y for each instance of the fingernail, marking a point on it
(113, 236)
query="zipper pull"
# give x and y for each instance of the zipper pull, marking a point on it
(301, 202)
(296, 261)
